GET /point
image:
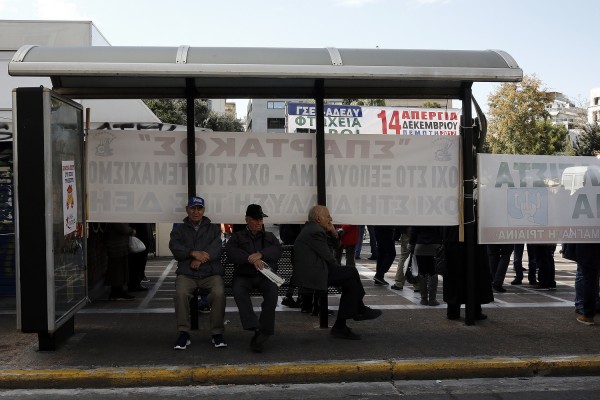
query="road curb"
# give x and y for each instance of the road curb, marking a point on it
(346, 371)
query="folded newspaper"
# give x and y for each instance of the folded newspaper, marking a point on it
(272, 276)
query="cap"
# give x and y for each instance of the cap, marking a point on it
(255, 211)
(195, 201)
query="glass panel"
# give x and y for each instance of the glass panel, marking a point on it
(67, 183)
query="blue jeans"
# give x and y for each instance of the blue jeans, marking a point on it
(579, 291)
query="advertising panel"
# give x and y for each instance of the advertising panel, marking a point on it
(538, 199)
(375, 120)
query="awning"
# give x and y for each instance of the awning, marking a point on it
(260, 72)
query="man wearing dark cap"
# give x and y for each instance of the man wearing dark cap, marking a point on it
(196, 245)
(251, 250)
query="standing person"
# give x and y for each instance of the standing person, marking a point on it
(588, 261)
(348, 241)
(196, 245)
(499, 258)
(386, 252)
(137, 261)
(116, 241)
(251, 250)
(424, 241)
(316, 268)
(402, 232)
(455, 278)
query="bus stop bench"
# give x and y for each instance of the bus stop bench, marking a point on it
(284, 269)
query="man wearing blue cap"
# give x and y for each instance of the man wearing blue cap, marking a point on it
(196, 245)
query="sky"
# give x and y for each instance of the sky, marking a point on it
(555, 40)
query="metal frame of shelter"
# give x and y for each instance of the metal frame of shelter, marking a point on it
(112, 72)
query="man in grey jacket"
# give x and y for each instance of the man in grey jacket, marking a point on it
(196, 245)
(316, 268)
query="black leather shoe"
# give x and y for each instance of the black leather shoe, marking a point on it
(498, 288)
(517, 282)
(453, 316)
(481, 317)
(368, 313)
(344, 333)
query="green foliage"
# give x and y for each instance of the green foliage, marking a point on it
(364, 102)
(519, 122)
(431, 104)
(174, 111)
(588, 142)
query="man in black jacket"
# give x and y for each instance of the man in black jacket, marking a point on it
(251, 250)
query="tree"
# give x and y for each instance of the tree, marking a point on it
(174, 111)
(364, 102)
(519, 122)
(431, 104)
(588, 142)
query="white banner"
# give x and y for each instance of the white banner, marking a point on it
(381, 180)
(538, 199)
(375, 120)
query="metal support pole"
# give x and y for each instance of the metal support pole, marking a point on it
(320, 107)
(468, 206)
(321, 190)
(191, 136)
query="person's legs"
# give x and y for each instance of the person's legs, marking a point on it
(579, 290)
(400, 278)
(590, 289)
(544, 256)
(353, 292)
(432, 283)
(216, 299)
(184, 287)
(361, 236)
(453, 311)
(372, 242)
(349, 251)
(532, 264)
(241, 288)
(267, 313)
(502, 266)
(386, 250)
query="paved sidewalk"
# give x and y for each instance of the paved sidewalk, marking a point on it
(130, 343)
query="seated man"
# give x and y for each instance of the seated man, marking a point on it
(315, 267)
(251, 250)
(196, 245)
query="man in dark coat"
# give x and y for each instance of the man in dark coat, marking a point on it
(316, 268)
(251, 250)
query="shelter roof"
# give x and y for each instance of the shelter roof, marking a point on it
(261, 72)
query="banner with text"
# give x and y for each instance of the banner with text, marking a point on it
(538, 199)
(375, 120)
(381, 180)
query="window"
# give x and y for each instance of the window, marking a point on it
(275, 123)
(275, 104)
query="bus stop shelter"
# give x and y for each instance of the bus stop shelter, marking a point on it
(114, 72)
